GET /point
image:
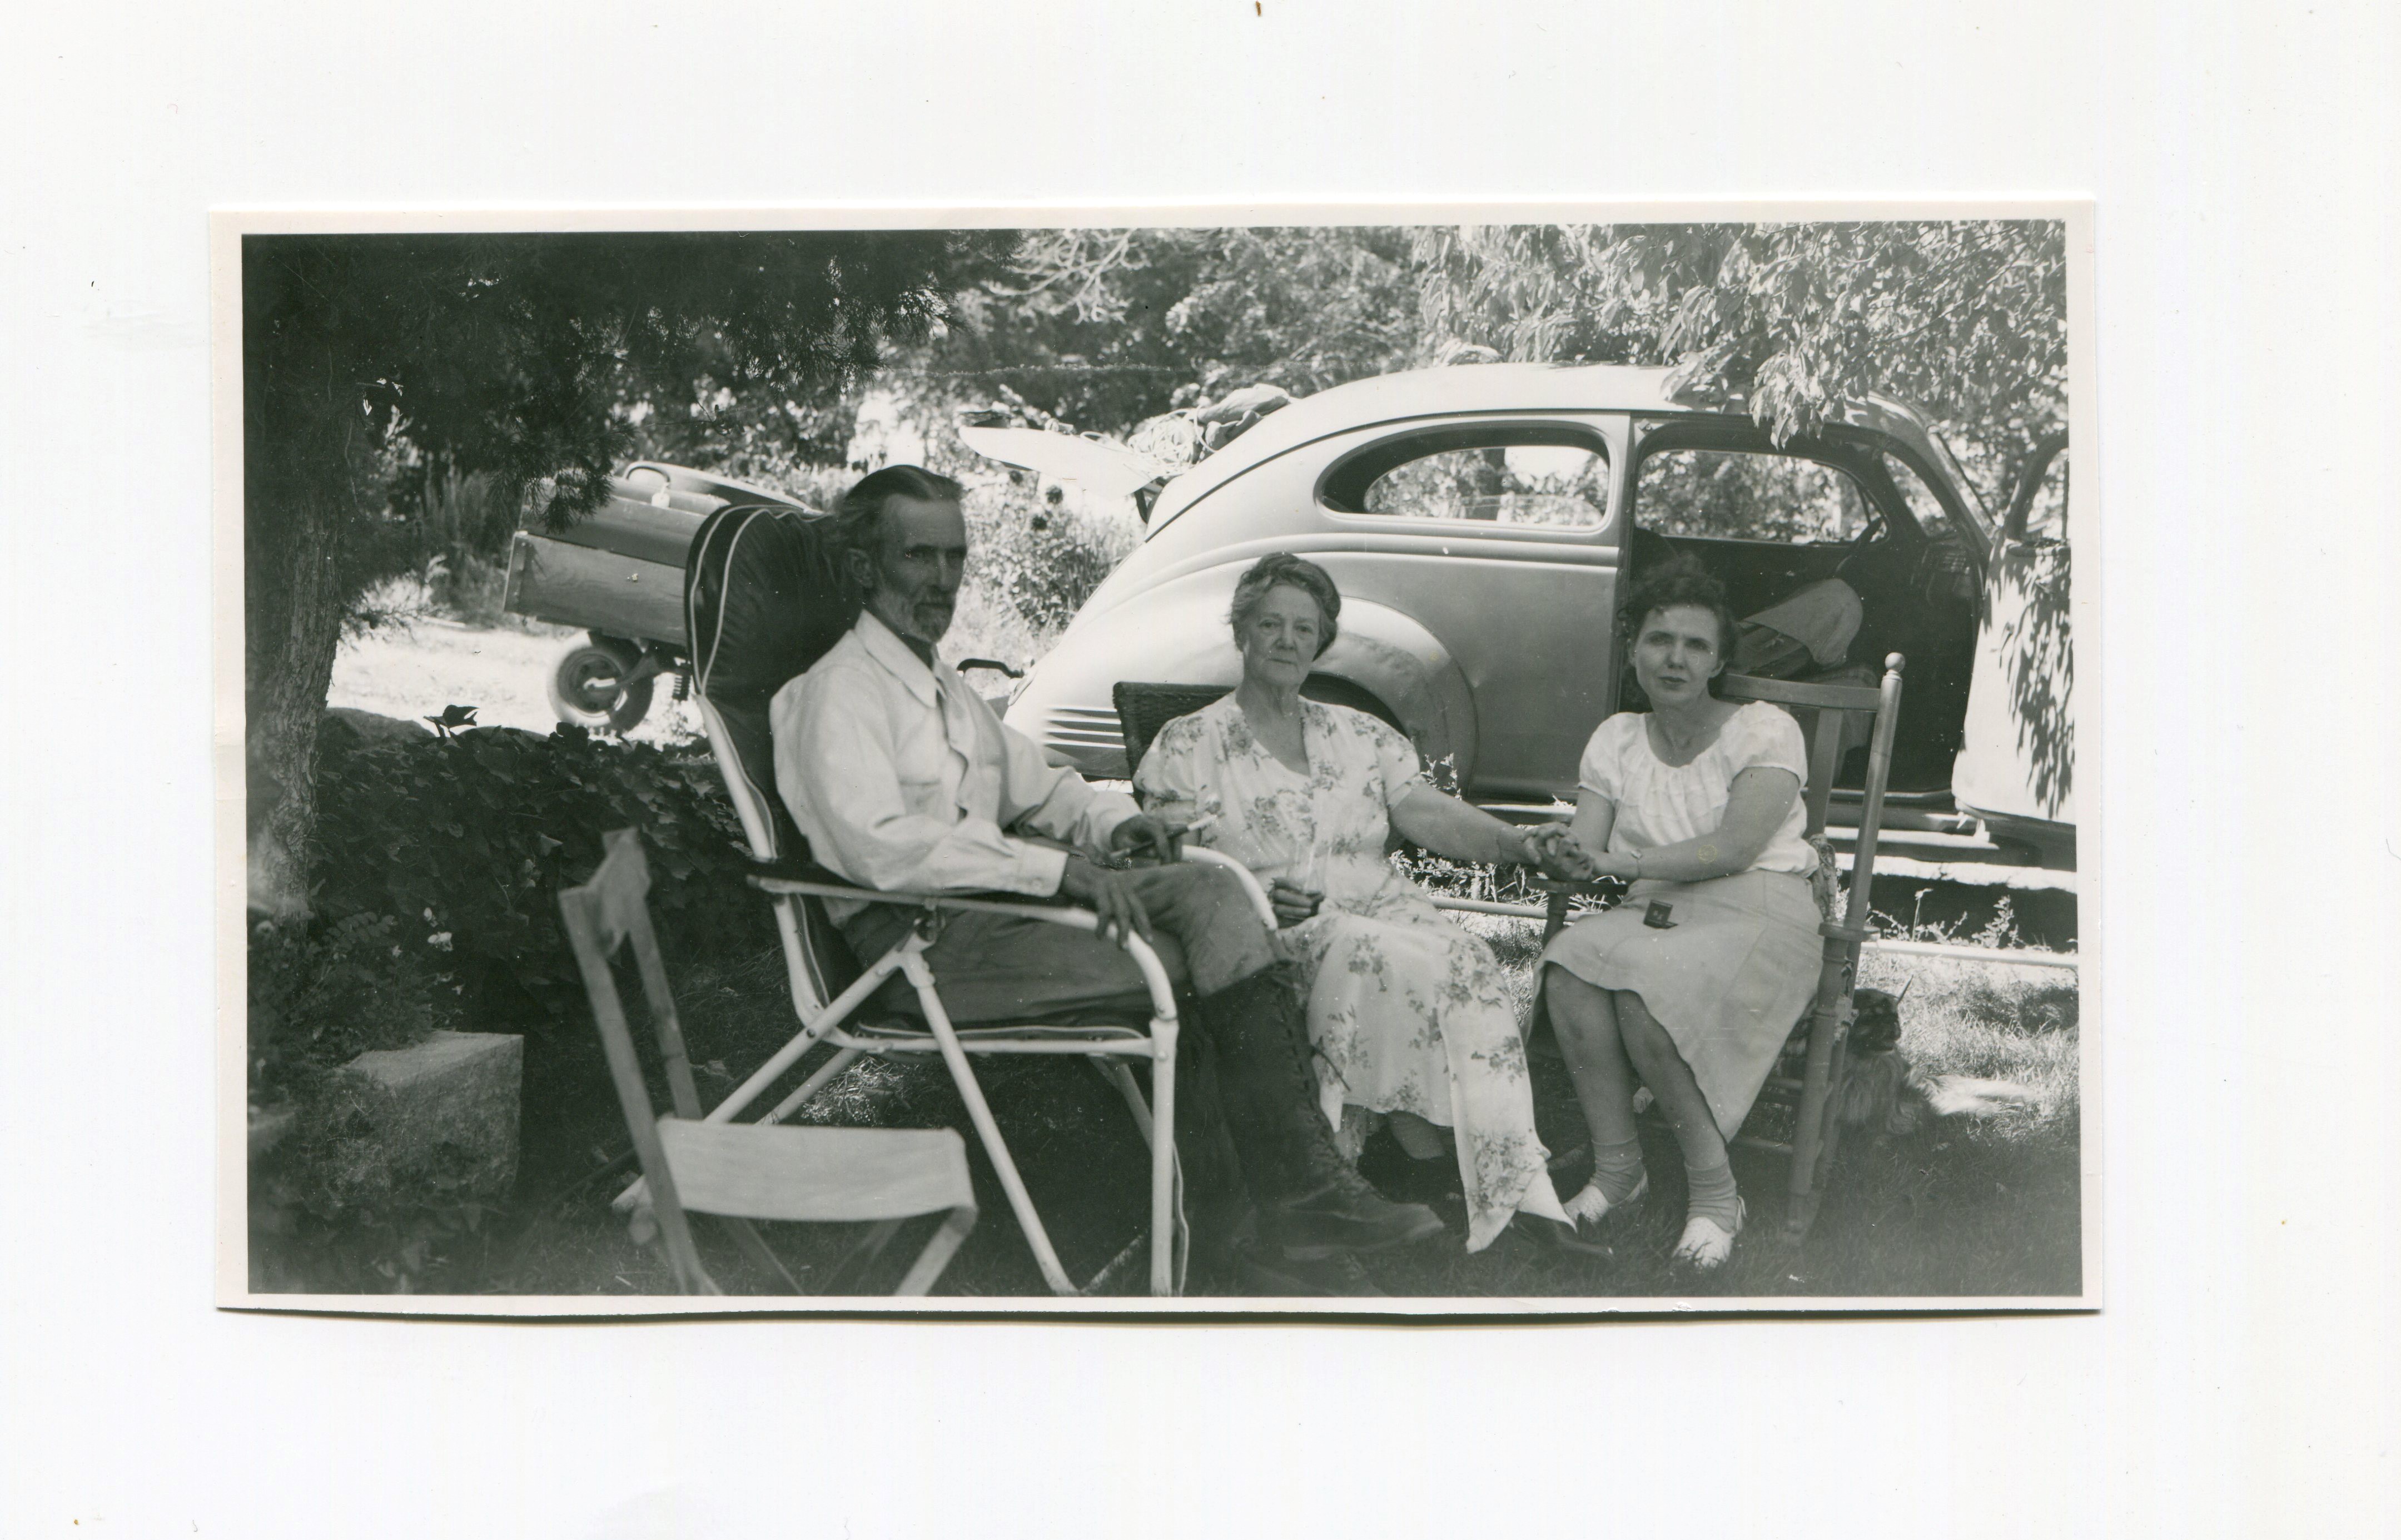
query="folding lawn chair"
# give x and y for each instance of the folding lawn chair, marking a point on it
(740, 1172)
(1795, 1114)
(763, 600)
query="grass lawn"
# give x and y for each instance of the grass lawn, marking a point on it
(1972, 1205)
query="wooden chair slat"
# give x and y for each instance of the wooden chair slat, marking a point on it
(620, 891)
(1785, 692)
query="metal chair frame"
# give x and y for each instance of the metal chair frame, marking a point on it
(737, 1174)
(1107, 1048)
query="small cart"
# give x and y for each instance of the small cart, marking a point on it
(618, 574)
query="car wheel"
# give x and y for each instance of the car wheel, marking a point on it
(589, 688)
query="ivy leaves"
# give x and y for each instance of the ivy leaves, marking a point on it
(484, 828)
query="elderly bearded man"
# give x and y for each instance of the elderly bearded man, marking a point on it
(903, 779)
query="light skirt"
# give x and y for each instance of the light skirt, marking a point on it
(1728, 982)
(1415, 1016)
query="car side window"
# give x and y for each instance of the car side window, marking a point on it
(1728, 494)
(2047, 518)
(1562, 485)
(1924, 506)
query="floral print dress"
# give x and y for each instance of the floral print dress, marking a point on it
(1408, 1013)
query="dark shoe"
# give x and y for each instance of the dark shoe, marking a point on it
(1314, 1203)
(1555, 1236)
(1397, 1174)
(1347, 1216)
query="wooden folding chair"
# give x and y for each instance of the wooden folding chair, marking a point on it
(763, 603)
(740, 1172)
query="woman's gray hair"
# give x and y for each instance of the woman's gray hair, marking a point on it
(1283, 567)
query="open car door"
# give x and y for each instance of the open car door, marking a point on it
(2016, 768)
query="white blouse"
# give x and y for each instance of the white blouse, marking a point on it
(1660, 804)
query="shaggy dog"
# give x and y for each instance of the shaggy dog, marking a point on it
(1886, 1095)
(1883, 1093)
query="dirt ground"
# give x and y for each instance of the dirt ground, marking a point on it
(412, 669)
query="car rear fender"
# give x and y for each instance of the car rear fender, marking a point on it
(1399, 662)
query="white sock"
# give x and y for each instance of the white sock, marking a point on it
(1712, 1196)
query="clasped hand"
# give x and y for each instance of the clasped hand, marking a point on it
(1560, 855)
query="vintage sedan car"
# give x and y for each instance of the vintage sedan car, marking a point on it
(1483, 522)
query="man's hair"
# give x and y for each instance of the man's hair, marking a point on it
(1283, 567)
(858, 522)
(1679, 583)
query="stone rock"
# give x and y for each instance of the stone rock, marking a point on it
(440, 1119)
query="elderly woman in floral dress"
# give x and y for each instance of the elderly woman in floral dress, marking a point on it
(1410, 1015)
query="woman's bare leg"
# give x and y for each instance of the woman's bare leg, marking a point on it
(1708, 1177)
(1671, 1080)
(1586, 1019)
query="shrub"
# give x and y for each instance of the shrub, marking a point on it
(476, 834)
(1045, 560)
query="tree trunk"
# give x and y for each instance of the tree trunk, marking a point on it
(305, 440)
(295, 629)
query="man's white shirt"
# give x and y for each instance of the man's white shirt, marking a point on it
(902, 778)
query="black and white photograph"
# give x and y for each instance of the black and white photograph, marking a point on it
(1444, 764)
(903, 771)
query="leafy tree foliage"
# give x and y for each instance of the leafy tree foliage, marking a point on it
(1968, 318)
(1104, 328)
(377, 364)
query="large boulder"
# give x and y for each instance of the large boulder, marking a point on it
(372, 727)
(431, 1124)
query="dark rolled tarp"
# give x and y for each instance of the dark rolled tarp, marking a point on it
(764, 599)
(629, 526)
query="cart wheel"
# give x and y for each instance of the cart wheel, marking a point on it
(587, 688)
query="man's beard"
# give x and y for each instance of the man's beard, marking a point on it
(926, 621)
(931, 618)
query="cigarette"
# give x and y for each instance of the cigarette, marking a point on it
(1203, 824)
